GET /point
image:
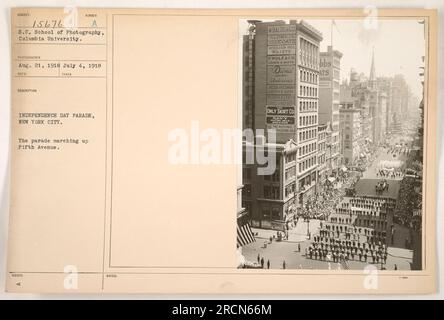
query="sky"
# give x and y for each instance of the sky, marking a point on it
(398, 45)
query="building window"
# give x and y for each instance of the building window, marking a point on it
(275, 213)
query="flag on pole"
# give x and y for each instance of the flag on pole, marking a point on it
(333, 23)
(336, 26)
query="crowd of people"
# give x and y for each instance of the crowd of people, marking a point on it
(359, 231)
(323, 204)
(408, 203)
(392, 174)
(399, 150)
(337, 250)
(261, 263)
(350, 235)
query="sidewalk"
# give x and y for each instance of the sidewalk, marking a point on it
(297, 234)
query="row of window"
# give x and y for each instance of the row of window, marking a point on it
(290, 173)
(308, 76)
(290, 157)
(271, 192)
(307, 135)
(321, 146)
(308, 53)
(308, 105)
(306, 164)
(307, 149)
(306, 181)
(289, 190)
(268, 214)
(308, 120)
(307, 91)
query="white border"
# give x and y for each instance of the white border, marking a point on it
(5, 96)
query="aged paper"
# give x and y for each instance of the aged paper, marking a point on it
(130, 172)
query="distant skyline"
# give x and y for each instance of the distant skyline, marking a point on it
(398, 44)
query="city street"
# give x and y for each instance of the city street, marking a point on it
(278, 252)
(288, 250)
(347, 160)
(382, 156)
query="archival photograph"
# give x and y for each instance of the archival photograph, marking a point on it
(332, 144)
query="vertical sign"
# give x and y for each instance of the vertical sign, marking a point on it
(325, 67)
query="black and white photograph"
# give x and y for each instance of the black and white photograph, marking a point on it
(333, 122)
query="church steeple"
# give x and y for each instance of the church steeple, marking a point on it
(372, 78)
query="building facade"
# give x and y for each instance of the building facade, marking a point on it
(270, 199)
(351, 134)
(280, 92)
(322, 157)
(329, 99)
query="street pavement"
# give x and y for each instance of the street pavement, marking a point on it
(381, 155)
(287, 250)
(297, 234)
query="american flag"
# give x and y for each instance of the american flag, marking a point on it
(344, 264)
(244, 234)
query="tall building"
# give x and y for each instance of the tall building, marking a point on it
(377, 106)
(372, 83)
(281, 74)
(322, 156)
(374, 103)
(328, 150)
(355, 95)
(248, 79)
(351, 134)
(357, 92)
(399, 101)
(329, 96)
(384, 85)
